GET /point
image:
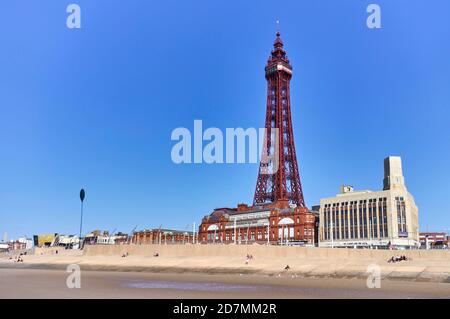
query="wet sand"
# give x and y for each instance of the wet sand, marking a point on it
(44, 283)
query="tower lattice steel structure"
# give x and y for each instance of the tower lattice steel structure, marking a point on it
(278, 176)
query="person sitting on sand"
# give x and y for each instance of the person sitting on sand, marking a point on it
(155, 255)
(287, 267)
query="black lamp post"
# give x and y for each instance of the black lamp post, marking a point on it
(82, 196)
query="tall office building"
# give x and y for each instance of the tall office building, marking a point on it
(383, 219)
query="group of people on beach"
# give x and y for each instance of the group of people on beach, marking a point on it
(249, 257)
(18, 259)
(125, 255)
(395, 259)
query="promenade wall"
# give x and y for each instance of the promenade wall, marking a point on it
(261, 251)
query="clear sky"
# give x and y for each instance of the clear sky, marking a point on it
(95, 107)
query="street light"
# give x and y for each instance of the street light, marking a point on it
(82, 196)
(235, 239)
(331, 234)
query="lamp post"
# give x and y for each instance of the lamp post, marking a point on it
(82, 196)
(248, 230)
(235, 235)
(331, 234)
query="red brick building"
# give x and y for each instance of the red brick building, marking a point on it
(17, 245)
(162, 236)
(274, 223)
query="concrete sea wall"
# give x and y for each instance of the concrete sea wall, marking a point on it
(262, 251)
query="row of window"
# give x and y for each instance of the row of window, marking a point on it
(283, 234)
(352, 220)
(401, 215)
(362, 201)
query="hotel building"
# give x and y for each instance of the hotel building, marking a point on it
(383, 219)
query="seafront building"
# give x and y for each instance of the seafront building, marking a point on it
(271, 223)
(383, 219)
(44, 240)
(163, 236)
(434, 240)
(98, 237)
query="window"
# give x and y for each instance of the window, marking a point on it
(401, 216)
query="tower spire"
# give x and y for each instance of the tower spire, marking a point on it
(278, 52)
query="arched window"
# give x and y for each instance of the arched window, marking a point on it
(213, 227)
(286, 221)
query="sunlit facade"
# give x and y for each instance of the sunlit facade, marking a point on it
(384, 219)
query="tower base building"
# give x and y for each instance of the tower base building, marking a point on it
(362, 219)
(278, 223)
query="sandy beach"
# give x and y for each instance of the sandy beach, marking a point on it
(223, 272)
(42, 283)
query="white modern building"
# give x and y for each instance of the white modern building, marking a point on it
(67, 241)
(27, 241)
(4, 247)
(382, 219)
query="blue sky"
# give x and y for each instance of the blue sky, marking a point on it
(95, 107)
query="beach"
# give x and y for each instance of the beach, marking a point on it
(195, 271)
(44, 283)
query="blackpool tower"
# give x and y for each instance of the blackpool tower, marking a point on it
(278, 176)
